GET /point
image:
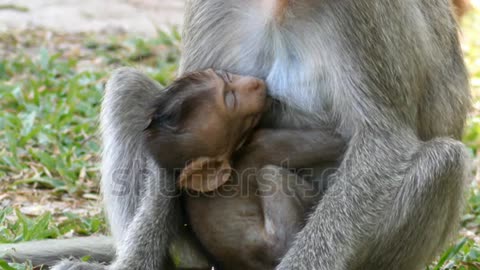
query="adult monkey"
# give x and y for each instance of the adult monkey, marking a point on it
(390, 73)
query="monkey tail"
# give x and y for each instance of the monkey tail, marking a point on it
(49, 252)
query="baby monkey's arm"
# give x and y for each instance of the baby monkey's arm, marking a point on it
(292, 148)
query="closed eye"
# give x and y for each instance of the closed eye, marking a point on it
(230, 99)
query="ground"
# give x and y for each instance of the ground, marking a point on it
(52, 76)
(141, 17)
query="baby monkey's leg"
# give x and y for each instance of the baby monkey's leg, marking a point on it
(286, 199)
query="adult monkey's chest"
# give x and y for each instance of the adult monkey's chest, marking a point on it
(290, 47)
(294, 54)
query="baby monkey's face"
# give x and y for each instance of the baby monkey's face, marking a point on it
(200, 121)
(240, 95)
(221, 124)
(234, 107)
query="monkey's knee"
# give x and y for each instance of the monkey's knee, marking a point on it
(426, 207)
(77, 265)
(131, 84)
(125, 79)
(441, 167)
(284, 204)
(442, 182)
(127, 101)
(436, 179)
(127, 88)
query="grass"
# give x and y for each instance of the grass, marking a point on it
(14, 7)
(50, 90)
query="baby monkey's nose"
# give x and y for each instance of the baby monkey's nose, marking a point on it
(257, 85)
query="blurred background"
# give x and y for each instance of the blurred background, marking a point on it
(55, 56)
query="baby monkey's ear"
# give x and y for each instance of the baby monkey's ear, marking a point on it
(205, 174)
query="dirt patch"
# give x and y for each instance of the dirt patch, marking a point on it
(141, 17)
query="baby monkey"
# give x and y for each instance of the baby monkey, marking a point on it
(242, 212)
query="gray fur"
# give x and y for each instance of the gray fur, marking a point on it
(389, 73)
(142, 210)
(100, 249)
(143, 215)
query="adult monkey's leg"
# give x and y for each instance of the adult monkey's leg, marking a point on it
(397, 195)
(140, 199)
(429, 198)
(395, 220)
(139, 196)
